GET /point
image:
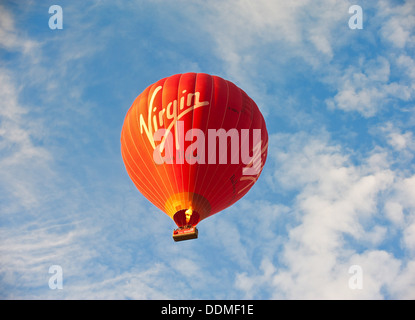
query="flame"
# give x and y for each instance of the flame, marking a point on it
(188, 214)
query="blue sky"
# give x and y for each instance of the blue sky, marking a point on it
(337, 190)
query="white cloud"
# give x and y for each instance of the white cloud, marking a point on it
(366, 88)
(403, 286)
(29, 250)
(398, 23)
(380, 270)
(252, 285)
(394, 212)
(256, 41)
(407, 65)
(240, 25)
(398, 140)
(9, 35)
(315, 32)
(404, 194)
(339, 224)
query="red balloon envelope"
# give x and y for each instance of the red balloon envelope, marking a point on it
(193, 144)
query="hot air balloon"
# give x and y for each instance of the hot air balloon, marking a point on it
(193, 144)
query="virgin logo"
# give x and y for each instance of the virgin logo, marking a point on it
(154, 120)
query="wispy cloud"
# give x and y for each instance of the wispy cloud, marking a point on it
(9, 35)
(21, 158)
(366, 88)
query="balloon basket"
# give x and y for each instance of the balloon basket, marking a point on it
(185, 233)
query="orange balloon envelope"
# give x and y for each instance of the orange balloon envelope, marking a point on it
(193, 144)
